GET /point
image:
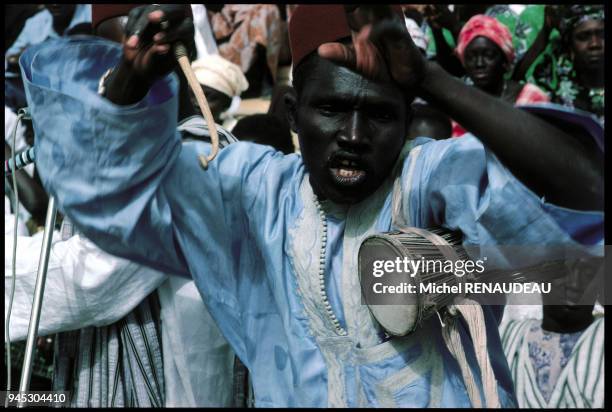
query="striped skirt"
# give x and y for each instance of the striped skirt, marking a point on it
(119, 365)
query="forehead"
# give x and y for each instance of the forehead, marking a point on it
(589, 25)
(329, 80)
(481, 43)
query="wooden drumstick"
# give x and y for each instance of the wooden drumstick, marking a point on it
(180, 52)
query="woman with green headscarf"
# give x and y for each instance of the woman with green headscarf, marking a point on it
(571, 68)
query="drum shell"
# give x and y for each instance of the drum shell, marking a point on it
(403, 314)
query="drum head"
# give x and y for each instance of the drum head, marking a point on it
(396, 320)
(397, 312)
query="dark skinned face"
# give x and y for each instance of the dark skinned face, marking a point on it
(218, 102)
(485, 64)
(587, 45)
(351, 131)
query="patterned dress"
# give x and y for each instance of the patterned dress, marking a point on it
(555, 370)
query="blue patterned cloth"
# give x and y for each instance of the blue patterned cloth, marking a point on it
(549, 353)
(248, 230)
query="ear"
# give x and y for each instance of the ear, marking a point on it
(291, 104)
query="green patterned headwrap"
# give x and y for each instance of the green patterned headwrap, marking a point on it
(578, 13)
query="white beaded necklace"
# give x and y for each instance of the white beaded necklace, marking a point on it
(339, 329)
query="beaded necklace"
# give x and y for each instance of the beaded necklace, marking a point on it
(323, 219)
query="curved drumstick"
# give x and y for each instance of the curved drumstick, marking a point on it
(180, 52)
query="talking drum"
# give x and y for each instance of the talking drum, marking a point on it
(402, 274)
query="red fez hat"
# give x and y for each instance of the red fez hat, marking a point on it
(312, 25)
(102, 12)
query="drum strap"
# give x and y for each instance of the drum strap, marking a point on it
(474, 317)
(397, 217)
(470, 310)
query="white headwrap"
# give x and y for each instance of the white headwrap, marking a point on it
(419, 38)
(220, 74)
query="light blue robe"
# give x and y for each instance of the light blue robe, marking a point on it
(249, 233)
(39, 28)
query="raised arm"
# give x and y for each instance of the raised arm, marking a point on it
(439, 18)
(539, 44)
(151, 32)
(555, 163)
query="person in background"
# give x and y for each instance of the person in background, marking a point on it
(266, 129)
(223, 82)
(32, 197)
(582, 33)
(271, 128)
(543, 41)
(430, 122)
(53, 21)
(558, 361)
(418, 37)
(444, 26)
(15, 16)
(573, 69)
(251, 36)
(486, 52)
(204, 38)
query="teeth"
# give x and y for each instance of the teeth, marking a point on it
(348, 173)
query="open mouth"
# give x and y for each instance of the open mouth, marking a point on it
(595, 58)
(480, 75)
(347, 169)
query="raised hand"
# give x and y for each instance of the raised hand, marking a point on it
(439, 16)
(150, 32)
(381, 47)
(552, 16)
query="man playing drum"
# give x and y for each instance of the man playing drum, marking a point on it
(271, 241)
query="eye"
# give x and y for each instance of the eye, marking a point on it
(382, 115)
(490, 54)
(582, 37)
(326, 109)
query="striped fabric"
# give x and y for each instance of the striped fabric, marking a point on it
(119, 365)
(580, 384)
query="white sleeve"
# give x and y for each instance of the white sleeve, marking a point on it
(9, 222)
(85, 286)
(204, 38)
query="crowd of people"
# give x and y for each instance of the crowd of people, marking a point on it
(235, 284)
